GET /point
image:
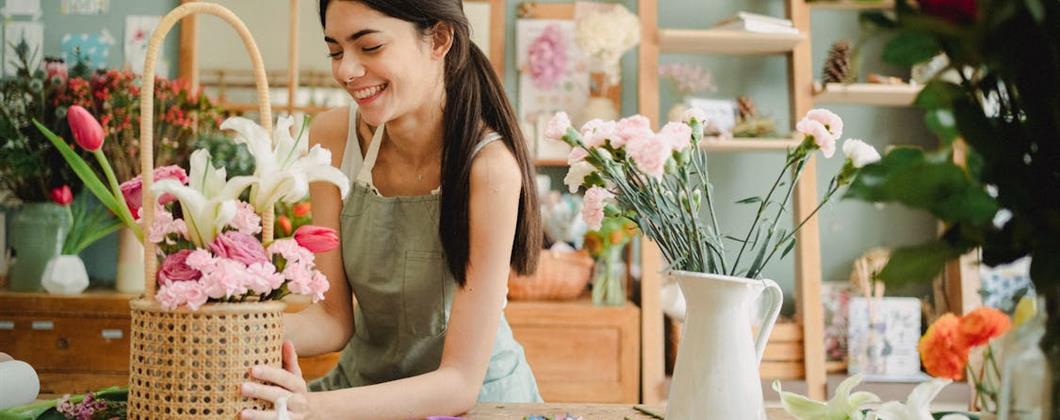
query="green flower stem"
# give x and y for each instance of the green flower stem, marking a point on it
(832, 188)
(758, 215)
(756, 269)
(123, 210)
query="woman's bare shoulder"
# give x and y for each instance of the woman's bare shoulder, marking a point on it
(330, 130)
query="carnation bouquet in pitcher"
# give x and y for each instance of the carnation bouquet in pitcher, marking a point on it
(659, 180)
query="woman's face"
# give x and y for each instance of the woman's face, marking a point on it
(384, 63)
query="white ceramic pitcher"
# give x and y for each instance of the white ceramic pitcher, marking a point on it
(716, 374)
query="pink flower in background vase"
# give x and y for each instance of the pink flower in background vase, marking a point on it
(132, 189)
(262, 278)
(677, 134)
(316, 239)
(593, 206)
(821, 136)
(62, 195)
(596, 132)
(631, 129)
(174, 294)
(175, 268)
(246, 221)
(650, 154)
(547, 58)
(239, 247)
(85, 128)
(557, 126)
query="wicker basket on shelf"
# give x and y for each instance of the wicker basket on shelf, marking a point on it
(559, 276)
(183, 363)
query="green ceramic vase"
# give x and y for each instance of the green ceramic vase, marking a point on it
(37, 234)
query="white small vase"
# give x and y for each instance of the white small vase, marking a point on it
(65, 275)
(130, 263)
(716, 373)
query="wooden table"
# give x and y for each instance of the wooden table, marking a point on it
(587, 411)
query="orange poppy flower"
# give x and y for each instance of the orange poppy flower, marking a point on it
(943, 350)
(983, 324)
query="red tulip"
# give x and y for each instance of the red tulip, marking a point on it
(62, 195)
(87, 131)
(316, 239)
(956, 11)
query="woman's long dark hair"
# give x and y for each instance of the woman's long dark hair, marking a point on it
(473, 96)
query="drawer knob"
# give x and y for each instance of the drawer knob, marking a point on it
(62, 343)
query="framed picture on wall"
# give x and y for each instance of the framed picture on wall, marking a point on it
(487, 29)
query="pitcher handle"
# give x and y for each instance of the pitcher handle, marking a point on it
(775, 297)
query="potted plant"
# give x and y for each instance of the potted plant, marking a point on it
(1001, 96)
(659, 181)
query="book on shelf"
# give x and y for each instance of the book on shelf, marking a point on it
(753, 22)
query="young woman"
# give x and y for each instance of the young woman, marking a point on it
(441, 208)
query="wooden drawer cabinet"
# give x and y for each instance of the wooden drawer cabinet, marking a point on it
(580, 352)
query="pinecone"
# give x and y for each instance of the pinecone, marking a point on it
(837, 67)
(746, 108)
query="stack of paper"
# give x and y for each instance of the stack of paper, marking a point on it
(752, 22)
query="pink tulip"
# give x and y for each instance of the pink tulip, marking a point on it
(62, 195)
(87, 131)
(317, 239)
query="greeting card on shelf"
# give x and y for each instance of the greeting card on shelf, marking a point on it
(553, 72)
(720, 114)
(882, 337)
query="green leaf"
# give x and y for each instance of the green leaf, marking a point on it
(943, 124)
(734, 238)
(917, 263)
(876, 19)
(938, 94)
(909, 48)
(750, 200)
(787, 249)
(80, 167)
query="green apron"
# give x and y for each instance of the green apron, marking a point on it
(396, 267)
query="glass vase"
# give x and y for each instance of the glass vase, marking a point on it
(1024, 372)
(609, 281)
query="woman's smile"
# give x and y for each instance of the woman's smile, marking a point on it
(367, 95)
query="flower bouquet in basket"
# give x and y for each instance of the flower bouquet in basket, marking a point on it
(660, 182)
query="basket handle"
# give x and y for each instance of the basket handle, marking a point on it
(147, 94)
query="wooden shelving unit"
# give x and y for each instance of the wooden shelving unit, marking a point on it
(851, 4)
(786, 358)
(728, 42)
(868, 94)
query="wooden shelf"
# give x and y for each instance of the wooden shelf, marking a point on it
(852, 4)
(739, 144)
(868, 94)
(720, 41)
(553, 163)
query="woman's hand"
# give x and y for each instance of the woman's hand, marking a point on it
(284, 388)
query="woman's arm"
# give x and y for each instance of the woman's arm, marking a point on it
(326, 326)
(453, 388)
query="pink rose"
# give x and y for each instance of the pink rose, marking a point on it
(632, 129)
(132, 189)
(174, 294)
(557, 126)
(677, 134)
(316, 239)
(650, 154)
(821, 136)
(239, 247)
(593, 206)
(175, 268)
(596, 132)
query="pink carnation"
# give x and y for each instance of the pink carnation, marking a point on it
(821, 136)
(173, 294)
(226, 279)
(200, 259)
(828, 119)
(246, 221)
(240, 247)
(547, 58)
(577, 154)
(163, 225)
(557, 126)
(593, 206)
(132, 190)
(631, 129)
(175, 268)
(290, 251)
(262, 278)
(650, 154)
(596, 132)
(312, 283)
(677, 134)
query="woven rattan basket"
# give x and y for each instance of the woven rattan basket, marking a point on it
(183, 363)
(559, 276)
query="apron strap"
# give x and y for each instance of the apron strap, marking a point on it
(364, 176)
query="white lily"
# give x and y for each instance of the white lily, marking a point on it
(843, 406)
(283, 166)
(918, 405)
(208, 202)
